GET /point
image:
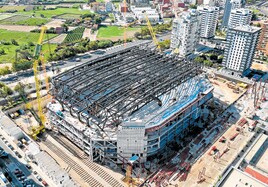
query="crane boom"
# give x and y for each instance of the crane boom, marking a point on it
(36, 72)
(151, 30)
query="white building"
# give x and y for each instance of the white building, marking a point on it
(109, 6)
(209, 2)
(240, 47)
(239, 17)
(209, 18)
(229, 6)
(185, 32)
(140, 15)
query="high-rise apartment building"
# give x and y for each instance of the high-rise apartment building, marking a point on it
(230, 5)
(240, 47)
(209, 18)
(263, 41)
(185, 32)
(239, 17)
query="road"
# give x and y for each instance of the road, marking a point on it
(12, 163)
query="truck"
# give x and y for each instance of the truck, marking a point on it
(252, 126)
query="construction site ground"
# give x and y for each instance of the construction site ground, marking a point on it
(215, 168)
(26, 122)
(79, 166)
(223, 92)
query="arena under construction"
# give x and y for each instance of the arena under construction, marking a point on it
(131, 102)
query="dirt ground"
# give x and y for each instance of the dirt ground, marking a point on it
(58, 39)
(55, 23)
(223, 92)
(214, 168)
(86, 33)
(7, 64)
(18, 28)
(258, 66)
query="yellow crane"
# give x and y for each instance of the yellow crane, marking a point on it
(37, 53)
(151, 30)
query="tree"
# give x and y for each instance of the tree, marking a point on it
(5, 70)
(208, 63)
(5, 90)
(2, 52)
(14, 42)
(199, 60)
(213, 57)
(19, 88)
(193, 6)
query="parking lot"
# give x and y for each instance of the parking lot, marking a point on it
(17, 171)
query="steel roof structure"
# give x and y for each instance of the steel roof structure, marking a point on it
(105, 90)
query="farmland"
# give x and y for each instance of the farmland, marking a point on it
(21, 37)
(11, 8)
(114, 31)
(4, 16)
(68, 16)
(23, 20)
(55, 12)
(74, 35)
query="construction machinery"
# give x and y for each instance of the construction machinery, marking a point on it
(39, 57)
(129, 179)
(151, 30)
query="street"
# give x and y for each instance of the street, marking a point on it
(13, 163)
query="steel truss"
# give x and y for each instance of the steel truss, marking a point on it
(105, 90)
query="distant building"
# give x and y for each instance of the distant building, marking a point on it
(240, 47)
(263, 41)
(137, 2)
(185, 32)
(239, 17)
(209, 18)
(109, 6)
(209, 2)
(95, 7)
(123, 7)
(151, 13)
(229, 5)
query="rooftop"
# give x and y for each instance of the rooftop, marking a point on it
(246, 28)
(111, 88)
(238, 178)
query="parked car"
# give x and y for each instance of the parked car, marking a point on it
(34, 172)
(44, 183)
(28, 166)
(11, 147)
(39, 178)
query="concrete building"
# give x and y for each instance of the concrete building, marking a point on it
(152, 13)
(109, 6)
(126, 111)
(240, 47)
(229, 5)
(185, 32)
(209, 19)
(263, 41)
(239, 17)
(209, 2)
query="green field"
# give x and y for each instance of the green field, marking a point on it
(69, 16)
(10, 7)
(74, 35)
(4, 16)
(33, 21)
(113, 31)
(21, 38)
(24, 20)
(56, 12)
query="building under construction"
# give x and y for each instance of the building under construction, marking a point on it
(131, 102)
